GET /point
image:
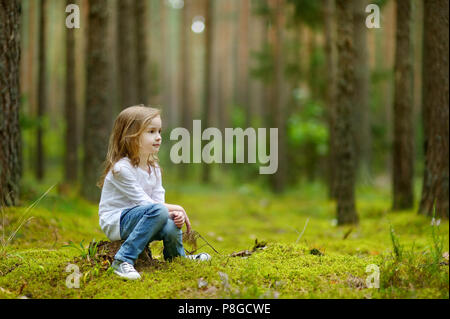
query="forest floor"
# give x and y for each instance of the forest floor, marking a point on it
(294, 249)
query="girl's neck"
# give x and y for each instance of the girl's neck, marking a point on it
(143, 161)
(143, 164)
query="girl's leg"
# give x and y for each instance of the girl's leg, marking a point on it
(172, 237)
(137, 226)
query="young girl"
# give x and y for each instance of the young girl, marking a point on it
(132, 205)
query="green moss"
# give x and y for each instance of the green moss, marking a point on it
(34, 262)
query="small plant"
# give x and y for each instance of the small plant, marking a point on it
(92, 249)
(109, 270)
(398, 248)
(409, 268)
(80, 247)
(437, 246)
(87, 253)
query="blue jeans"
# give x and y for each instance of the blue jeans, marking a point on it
(141, 225)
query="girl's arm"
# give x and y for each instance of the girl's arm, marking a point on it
(126, 182)
(173, 207)
(158, 193)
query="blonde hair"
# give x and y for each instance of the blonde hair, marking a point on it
(124, 139)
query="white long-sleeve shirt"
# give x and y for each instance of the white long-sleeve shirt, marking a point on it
(129, 187)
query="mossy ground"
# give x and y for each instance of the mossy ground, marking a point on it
(34, 262)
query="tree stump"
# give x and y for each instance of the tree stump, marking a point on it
(106, 250)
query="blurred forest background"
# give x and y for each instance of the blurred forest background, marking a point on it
(355, 106)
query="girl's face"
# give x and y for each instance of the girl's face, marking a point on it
(150, 139)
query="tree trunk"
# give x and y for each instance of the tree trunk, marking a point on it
(142, 80)
(331, 79)
(126, 46)
(10, 135)
(42, 91)
(185, 34)
(345, 149)
(267, 86)
(206, 118)
(417, 41)
(97, 115)
(257, 40)
(277, 107)
(165, 63)
(361, 110)
(435, 191)
(225, 68)
(403, 147)
(243, 59)
(71, 144)
(186, 106)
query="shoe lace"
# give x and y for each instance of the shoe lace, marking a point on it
(198, 256)
(127, 267)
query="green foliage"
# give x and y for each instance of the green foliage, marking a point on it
(412, 268)
(307, 139)
(381, 80)
(261, 8)
(293, 71)
(317, 71)
(309, 132)
(380, 3)
(263, 69)
(238, 116)
(308, 12)
(27, 122)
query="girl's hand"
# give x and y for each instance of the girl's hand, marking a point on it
(186, 219)
(173, 208)
(178, 218)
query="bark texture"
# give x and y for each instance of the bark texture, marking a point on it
(126, 45)
(435, 191)
(71, 154)
(42, 91)
(345, 148)
(403, 147)
(98, 113)
(10, 135)
(329, 16)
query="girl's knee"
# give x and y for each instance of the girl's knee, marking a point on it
(163, 212)
(171, 230)
(159, 211)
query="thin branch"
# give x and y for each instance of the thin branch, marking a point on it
(300, 236)
(26, 211)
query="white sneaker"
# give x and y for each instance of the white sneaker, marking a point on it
(201, 257)
(125, 270)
